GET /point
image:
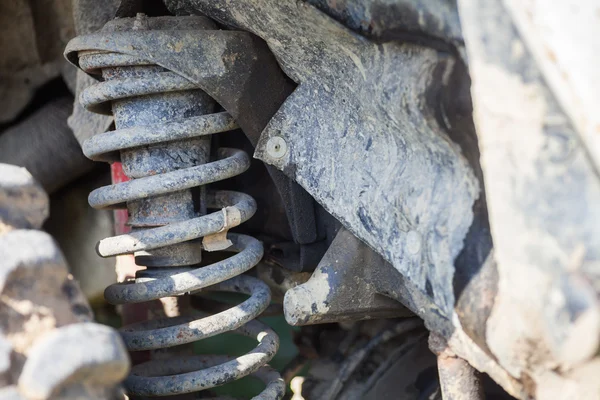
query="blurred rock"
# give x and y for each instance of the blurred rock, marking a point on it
(33, 35)
(38, 293)
(44, 144)
(93, 361)
(23, 202)
(47, 343)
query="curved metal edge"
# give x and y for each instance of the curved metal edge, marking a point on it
(179, 380)
(184, 231)
(250, 253)
(234, 164)
(169, 332)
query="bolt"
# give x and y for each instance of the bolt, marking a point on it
(276, 147)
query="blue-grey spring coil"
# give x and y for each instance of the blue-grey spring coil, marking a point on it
(138, 92)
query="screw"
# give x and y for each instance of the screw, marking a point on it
(276, 147)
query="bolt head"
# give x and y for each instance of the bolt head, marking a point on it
(277, 147)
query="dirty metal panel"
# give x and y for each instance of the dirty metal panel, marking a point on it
(236, 69)
(344, 287)
(387, 181)
(434, 23)
(358, 137)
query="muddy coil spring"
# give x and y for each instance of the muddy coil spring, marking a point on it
(169, 244)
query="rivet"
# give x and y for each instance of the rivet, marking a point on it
(276, 147)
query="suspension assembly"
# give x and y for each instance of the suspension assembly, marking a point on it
(163, 132)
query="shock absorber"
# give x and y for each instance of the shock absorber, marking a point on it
(163, 125)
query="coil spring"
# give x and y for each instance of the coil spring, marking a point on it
(182, 374)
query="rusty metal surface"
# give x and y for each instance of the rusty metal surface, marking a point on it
(163, 126)
(458, 379)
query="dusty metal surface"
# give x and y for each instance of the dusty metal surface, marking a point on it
(428, 248)
(350, 271)
(342, 76)
(158, 104)
(141, 104)
(250, 252)
(239, 204)
(247, 82)
(433, 23)
(344, 287)
(280, 280)
(193, 374)
(334, 297)
(164, 123)
(154, 334)
(544, 204)
(371, 115)
(337, 70)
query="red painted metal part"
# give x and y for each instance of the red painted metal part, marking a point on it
(126, 266)
(118, 176)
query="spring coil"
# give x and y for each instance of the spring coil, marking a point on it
(194, 373)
